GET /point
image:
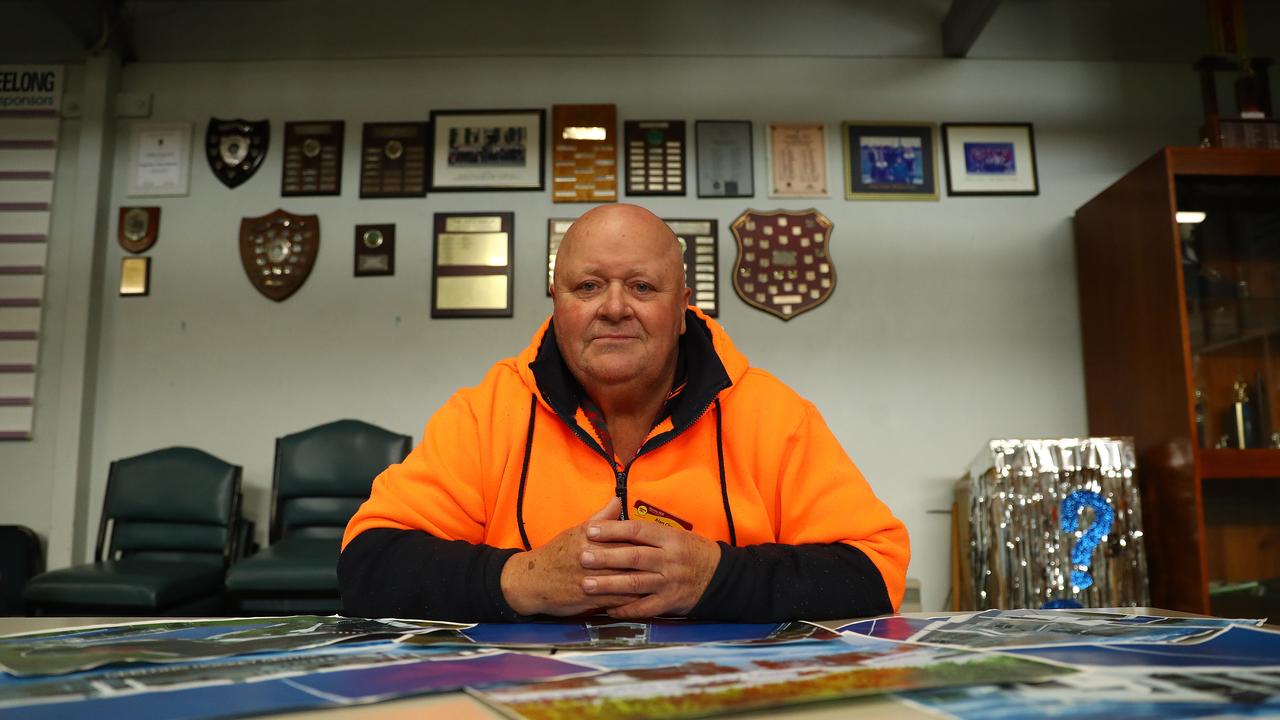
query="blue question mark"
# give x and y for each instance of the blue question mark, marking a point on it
(1082, 554)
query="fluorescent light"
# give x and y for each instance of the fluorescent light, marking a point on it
(1189, 217)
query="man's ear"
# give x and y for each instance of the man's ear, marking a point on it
(684, 313)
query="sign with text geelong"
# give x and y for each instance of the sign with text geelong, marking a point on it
(30, 88)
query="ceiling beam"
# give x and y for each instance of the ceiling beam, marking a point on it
(965, 21)
(98, 24)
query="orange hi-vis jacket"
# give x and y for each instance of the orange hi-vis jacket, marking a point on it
(743, 460)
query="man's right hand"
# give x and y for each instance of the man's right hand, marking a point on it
(548, 580)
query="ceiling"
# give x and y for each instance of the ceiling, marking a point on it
(64, 31)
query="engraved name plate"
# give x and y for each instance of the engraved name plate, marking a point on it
(584, 153)
(473, 265)
(393, 160)
(655, 157)
(312, 158)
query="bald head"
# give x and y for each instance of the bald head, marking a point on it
(619, 302)
(630, 224)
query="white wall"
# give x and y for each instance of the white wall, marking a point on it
(953, 321)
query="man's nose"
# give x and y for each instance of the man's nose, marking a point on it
(615, 304)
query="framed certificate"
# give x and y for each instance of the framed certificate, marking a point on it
(159, 159)
(725, 158)
(797, 160)
(487, 149)
(473, 261)
(990, 159)
(889, 161)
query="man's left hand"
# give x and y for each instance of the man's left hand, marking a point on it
(671, 568)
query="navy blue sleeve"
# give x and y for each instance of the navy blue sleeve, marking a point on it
(775, 583)
(387, 572)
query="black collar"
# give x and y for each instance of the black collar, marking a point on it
(704, 373)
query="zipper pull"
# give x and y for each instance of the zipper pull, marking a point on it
(620, 489)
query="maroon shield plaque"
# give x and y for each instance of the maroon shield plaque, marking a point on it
(278, 251)
(784, 266)
(138, 228)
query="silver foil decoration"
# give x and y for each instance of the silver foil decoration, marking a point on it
(1011, 536)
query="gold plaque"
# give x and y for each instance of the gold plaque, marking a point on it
(473, 269)
(473, 223)
(488, 249)
(471, 292)
(585, 154)
(135, 276)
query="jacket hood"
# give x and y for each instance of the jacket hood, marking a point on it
(704, 341)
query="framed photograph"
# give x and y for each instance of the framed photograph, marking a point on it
(159, 159)
(990, 159)
(724, 158)
(487, 149)
(890, 161)
(797, 160)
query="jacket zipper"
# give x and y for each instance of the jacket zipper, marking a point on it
(620, 475)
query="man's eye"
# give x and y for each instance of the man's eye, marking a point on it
(642, 287)
(588, 285)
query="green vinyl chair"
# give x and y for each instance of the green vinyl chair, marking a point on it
(321, 476)
(172, 518)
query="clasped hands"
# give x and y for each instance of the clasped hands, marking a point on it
(628, 568)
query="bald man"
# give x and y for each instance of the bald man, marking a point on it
(629, 461)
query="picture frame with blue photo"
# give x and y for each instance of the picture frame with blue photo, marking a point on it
(890, 160)
(990, 159)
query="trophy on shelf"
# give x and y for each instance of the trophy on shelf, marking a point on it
(1254, 125)
(1242, 419)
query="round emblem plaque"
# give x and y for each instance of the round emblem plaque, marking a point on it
(372, 239)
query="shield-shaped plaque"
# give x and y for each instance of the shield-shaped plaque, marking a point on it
(784, 265)
(278, 251)
(138, 228)
(235, 148)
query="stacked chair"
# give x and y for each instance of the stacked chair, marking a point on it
(321, 476)
(20, 560)
(172, 517)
